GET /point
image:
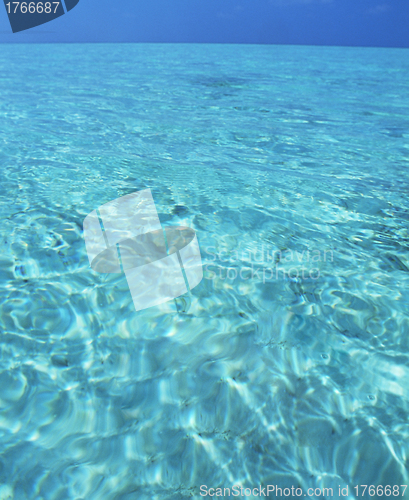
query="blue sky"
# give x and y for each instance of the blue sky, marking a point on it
(379, 23)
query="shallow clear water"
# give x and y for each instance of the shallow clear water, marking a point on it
(290, 368)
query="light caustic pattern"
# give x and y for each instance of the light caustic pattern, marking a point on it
(126, 235)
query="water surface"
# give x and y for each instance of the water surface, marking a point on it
(288, 365)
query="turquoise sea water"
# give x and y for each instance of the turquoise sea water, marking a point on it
(288, 364)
